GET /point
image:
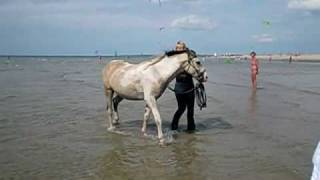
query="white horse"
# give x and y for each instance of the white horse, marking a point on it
(146, 81)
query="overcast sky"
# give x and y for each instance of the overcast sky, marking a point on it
(82, 27)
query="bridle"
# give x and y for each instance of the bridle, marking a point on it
(190, 64)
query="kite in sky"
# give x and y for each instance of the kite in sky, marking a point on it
(266, 23)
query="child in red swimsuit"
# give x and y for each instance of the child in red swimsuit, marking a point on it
(254, 69)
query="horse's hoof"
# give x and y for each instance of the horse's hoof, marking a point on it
(115, 123)
(111, 128)
(162, 142)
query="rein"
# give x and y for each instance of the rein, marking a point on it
(200, 93)
(185, 92)
(201, 96)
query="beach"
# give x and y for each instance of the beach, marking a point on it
(53, 123)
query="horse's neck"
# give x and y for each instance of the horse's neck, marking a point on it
(169, 68)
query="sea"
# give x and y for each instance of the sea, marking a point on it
(53, 123)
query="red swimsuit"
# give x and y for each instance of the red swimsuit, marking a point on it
(254, 66)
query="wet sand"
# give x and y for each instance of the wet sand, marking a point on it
(53, 125)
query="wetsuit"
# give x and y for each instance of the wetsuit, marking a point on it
(184, 91)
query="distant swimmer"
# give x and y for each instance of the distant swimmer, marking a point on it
(254, 69)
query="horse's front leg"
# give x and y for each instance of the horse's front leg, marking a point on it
(151, 102)
(145, 119)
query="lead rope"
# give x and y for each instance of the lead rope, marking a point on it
(201, 96)
(200, 93)
(185, 92)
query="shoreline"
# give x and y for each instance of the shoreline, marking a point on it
(286, 57)
(272, 57)
(263, 57)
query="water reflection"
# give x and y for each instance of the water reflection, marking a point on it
(138, 158)
(185, 155)
(253, 104)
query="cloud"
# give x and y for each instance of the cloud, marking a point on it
(93, 14)
(161, 1)
(158, 1)
(263, 38)
(194, 22)
(304, 4)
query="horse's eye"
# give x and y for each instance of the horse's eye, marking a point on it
(198, 62)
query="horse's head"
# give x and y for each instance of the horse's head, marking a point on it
(194, 67)
(191, 64)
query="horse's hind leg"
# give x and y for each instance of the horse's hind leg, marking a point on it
(116, 100)
(109, 95)
(145, 119)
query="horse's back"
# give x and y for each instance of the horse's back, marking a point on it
(110, 68)
(122, 76)
(114, 65)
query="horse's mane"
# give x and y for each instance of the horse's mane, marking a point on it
(167, 53)
(174, 52)
(153, 61)
(190, 52)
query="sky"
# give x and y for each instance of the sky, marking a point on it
(89, 27)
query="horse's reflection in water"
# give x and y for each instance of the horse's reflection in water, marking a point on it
(147, 81)
(135, 158)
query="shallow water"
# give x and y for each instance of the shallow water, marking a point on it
(53, 124)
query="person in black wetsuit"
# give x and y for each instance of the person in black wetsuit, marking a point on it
(184, 92)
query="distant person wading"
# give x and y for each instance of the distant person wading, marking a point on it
(184, 92)
(254, 69)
